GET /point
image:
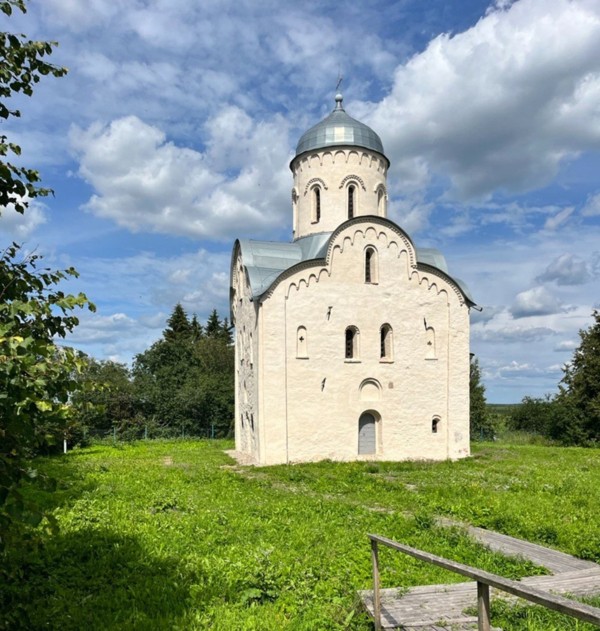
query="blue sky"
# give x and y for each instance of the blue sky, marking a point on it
(172, 134)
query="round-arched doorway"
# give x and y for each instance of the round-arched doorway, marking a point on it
(367, 435)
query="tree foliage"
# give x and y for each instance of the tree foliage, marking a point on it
(23, 65)
(36, 375)
(579, 393)
(573, 416)
(106, 397)
(184, 381)
(480, 422)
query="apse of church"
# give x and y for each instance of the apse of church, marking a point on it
(351, 342)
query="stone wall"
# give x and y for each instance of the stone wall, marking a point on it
(311, 395)
(333, 171)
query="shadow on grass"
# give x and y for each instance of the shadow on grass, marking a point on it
(94, 579)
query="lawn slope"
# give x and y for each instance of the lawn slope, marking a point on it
(175, 535)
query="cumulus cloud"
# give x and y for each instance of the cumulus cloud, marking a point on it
(144, 182)
(101, 329)
(534, 302)
(500, 105)
(20, 226)
(567, 269)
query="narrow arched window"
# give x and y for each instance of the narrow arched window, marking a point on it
(316, 205)
(381, 202)
(435, 421)
(385, 342)
(368, 261)
(351, 343)
(370, 265)
(351, 200)
(294, 211)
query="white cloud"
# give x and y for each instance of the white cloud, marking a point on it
(567, 269)
(592, 206)
(512, 334)
(552, 223)
(21, 226)
(503, 103)
(135, 295)
(95, 328)
(79, 16)
(144, 182)
(534, 302)
(566, 345)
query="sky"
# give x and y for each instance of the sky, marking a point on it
(172, 134)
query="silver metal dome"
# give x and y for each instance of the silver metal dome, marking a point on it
(339, 129)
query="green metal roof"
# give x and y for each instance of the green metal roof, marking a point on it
(265, 261)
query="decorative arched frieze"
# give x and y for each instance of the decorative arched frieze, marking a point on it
(404, 238)
(339, 154)
(442, 275)
(303, 282)
(353, 178)
(325, 261)
(312, 182)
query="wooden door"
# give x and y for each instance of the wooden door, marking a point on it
(366, 434)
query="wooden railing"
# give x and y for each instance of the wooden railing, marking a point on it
(485, 580)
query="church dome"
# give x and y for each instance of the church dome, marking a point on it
(339, 129)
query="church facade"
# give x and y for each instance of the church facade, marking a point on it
(351, 342)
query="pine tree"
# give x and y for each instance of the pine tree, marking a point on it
(196, 329)
(178, 325)
(227, 332)
(213, 326)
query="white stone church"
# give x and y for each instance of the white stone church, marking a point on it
(351, 342)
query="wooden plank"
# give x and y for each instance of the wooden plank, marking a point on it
(522, 590)
(425, 605)
(554, 560)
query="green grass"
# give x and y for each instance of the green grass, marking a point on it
(173, 535)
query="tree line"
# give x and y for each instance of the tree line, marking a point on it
(570, 417)
(181, 386)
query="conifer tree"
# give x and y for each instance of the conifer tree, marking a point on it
(213, 326)
(178, 325)
(196, 329)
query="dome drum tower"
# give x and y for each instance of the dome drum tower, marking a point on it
(339, 172)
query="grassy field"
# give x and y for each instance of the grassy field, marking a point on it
(174, 535)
